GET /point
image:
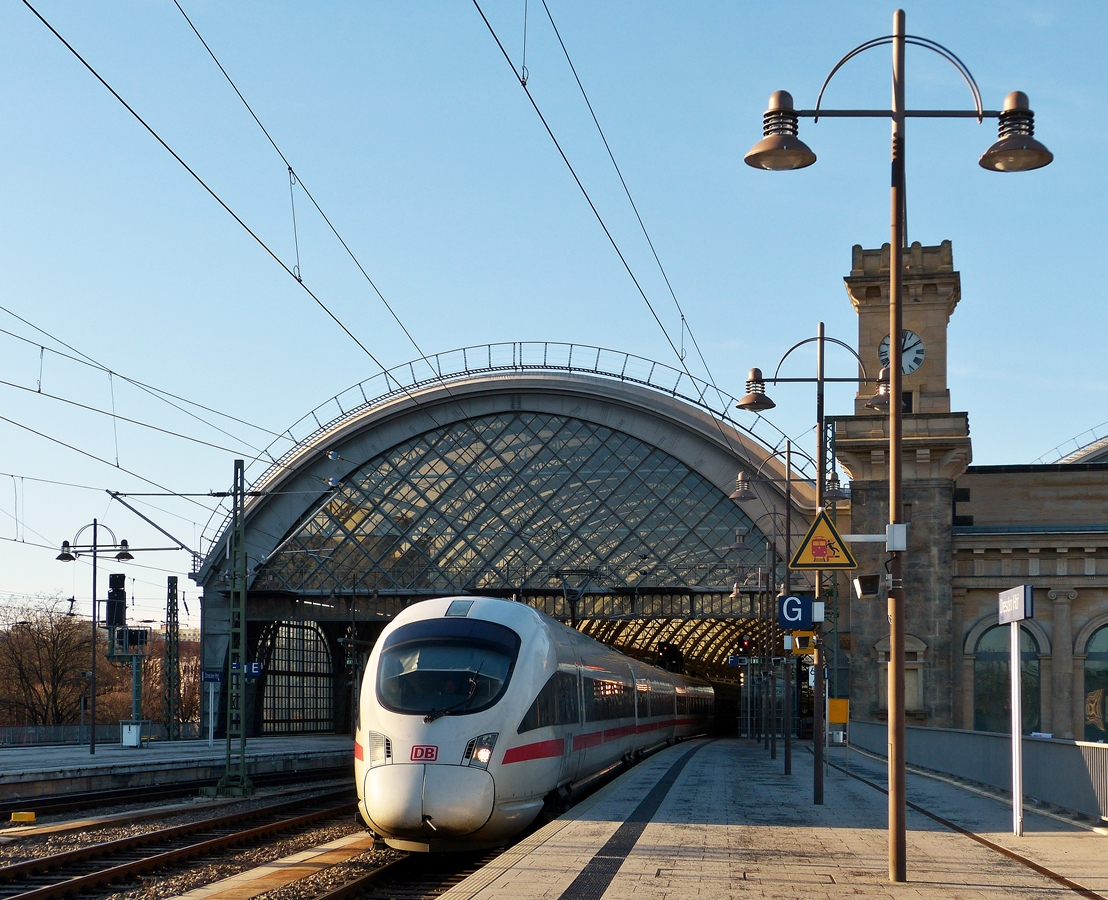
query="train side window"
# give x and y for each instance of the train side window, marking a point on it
(608, 699)
(556, 704)
(643, 693)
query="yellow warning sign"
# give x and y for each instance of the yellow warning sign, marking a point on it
(838, 712)
(822, 548)
(804, 643)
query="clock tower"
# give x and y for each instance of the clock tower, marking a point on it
(935, 451)
(931, 291)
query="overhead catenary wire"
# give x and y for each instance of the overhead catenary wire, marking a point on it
(195, 175)
(294, 178)
(159, 393)
(116, 417)
(627, 191)
(99, 459)
(256, 238)
(293, 174)
(596, 213)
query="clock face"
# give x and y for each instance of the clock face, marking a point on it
(911, 348)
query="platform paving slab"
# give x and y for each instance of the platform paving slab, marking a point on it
(733, 825)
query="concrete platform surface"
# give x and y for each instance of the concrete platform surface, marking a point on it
(732, 825)
(34, 771)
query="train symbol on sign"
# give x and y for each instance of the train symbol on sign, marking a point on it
(823, 549)
(424, 753)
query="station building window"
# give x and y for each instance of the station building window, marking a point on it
(1096, 686)
(992, 686)
(914, 651)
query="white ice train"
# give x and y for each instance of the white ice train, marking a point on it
(475, 710)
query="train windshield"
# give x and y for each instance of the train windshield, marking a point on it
(443, 667)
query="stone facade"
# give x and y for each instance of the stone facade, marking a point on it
(972, 532)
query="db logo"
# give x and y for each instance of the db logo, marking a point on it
(424, 753)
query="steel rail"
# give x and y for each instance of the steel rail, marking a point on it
(79, 884)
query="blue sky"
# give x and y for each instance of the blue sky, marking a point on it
(406, 124)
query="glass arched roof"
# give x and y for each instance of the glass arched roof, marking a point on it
(515, 501)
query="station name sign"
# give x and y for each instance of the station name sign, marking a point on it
(1017, 603)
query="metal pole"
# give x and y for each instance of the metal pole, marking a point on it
(786, 589)
(897, 813)
(818, 705)
(1015, 669)
(92, 679)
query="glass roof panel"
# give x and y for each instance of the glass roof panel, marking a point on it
(510, 501)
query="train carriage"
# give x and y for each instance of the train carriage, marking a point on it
(475, 712)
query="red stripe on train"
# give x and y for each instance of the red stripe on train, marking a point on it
(544, 749)
(358, 753)
(538, 750)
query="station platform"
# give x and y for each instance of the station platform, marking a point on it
(39, 771)
(717, 819)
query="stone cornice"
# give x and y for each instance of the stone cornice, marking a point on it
(935, 446)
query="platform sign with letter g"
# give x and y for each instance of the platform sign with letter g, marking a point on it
(794, 612)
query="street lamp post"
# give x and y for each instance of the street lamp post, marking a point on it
(70, 552)
(1015, 151)
(743, 492)
(756, 400)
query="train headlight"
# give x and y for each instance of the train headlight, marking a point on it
(479, 750)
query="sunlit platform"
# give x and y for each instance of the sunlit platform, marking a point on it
(715, 819)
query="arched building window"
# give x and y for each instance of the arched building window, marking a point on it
(297, 679)
(1096, 686)
(992, 686)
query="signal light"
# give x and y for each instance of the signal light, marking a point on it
(116, 616)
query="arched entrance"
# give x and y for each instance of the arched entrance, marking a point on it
(298, 687)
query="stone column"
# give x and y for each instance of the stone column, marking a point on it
(957, 667)
(1046, 695)
(1062, 654)
(1079, 696)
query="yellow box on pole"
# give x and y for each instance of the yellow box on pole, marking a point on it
(804, 643)
(838, 711)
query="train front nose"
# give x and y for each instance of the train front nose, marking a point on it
(425, 801)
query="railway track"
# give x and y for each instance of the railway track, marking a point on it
(64, 803)
(90, 869)
(413, 877)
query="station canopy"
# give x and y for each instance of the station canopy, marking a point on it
(595, 497)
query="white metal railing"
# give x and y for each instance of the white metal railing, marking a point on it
(1069, 774)
(1074, 444)
(513, 356)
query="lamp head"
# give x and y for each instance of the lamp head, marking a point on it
(740, 540)
(880, 400)
(780, 150)
(1016, 150)
(833, 490)
(124, 554)
(742, 489)
(755, 399)
(65, 555)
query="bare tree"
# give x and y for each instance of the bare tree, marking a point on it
(44, 654)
